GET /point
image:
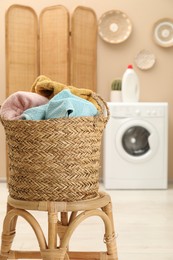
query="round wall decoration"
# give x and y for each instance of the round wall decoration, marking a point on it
(114, 26)
(145, 60)
(163, 32)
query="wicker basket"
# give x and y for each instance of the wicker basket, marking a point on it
(56, 159)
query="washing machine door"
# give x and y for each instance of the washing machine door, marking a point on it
(136, 140)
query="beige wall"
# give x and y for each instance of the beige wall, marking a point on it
(156, 83)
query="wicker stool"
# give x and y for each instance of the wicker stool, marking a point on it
(71, 215)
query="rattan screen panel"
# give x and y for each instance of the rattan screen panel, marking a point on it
(54, 43)
(83, 48)
(21, 48)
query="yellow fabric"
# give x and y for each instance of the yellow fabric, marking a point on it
(49, 88)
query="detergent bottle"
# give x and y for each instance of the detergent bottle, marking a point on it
(130, 85)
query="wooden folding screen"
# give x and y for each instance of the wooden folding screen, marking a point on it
(47, 46)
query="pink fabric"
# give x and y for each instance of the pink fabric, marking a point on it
(13, 107)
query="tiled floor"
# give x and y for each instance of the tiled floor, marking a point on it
(143, 219)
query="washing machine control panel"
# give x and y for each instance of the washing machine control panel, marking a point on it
(137, 109)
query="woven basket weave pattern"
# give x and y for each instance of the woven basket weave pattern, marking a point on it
(55, 160)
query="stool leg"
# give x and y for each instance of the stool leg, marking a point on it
(64, 218)
(8, 232)
(7, 238)
(14, 220)
(52, 230)
(52, 252)
(110, 241)
(65, 223)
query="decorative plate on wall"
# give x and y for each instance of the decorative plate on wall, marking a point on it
(163, 32)
(145, 60)
(114, 26)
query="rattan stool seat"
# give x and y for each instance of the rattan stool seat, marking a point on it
(71, 215)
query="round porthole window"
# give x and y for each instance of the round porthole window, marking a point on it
(135, 141)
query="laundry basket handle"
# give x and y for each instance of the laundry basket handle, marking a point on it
(102, 104)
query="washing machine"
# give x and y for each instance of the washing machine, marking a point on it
(135, 151)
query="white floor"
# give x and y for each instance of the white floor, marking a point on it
(143, 219)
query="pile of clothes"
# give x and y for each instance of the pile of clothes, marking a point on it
(49, 99)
